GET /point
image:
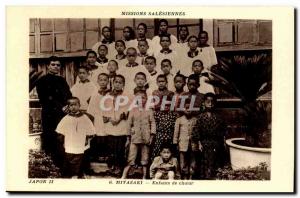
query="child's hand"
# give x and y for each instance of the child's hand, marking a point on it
(106, 119)
(151, 140)
(194, 147)
(66, 109)
(127, 143)
(200, 147)
(115, 122)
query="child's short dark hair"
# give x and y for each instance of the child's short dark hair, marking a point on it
(162, 76)
(210, 94)
(120, 41)
(137, 92)
(203, 32)
(140, 74)
(190, 37)
(194, 77)
(73, 98)
(120, 76)
(103, 74)
(82, 67)
(150, 58)
(143, 41)
(166, 146)
(105, 27)
(197, 60)
(163, 20)
(114, 62)
(178, 74)
(131, 48)
(166, 60)
(102, 45)
(144, 25)
(52, 58)
(91, 52)
(165, 35)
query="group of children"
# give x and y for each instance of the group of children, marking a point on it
(157, 137)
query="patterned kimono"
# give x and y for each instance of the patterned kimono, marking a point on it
(210, 131)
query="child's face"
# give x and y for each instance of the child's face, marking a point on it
(141, 31)
(120, 47)
(131, 55)
(112, 67)
(102, 51)
(197, 68)
(183, 33)
(161, 83)
(83, 74)
(106, 33)
(143, 96)
(179, 83)
(54, 67)
(143, 47)
(187, 110)
(203, 38)
(192, 85)
(118, 84)
(193, 43)
(166, 67)
(163, 27)
(91, 59)
(74, 105)
(103, 81)
(165, 42)
(140, 80)
(126, 34)
(209, 103)
(166, 154)
(150, 65)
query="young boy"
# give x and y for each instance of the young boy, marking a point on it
(53, 92)
(120, 47)
(166, 67)
(131, 68)
(143, 47)
(182, 139)
(198, 69)
(179, 84)
(99, 145)
(107, 39)
(84, 88)
(140, 80)
(140, 133)
(163, 31)
(207, 52)
(150, 64)
(165, 166)
(76, 130)
(167, 53)
(112, 68)
(141, 36)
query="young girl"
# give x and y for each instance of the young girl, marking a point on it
(207, 52)
(115, 124)
(164, 116)
(182, 139)
(208, 138)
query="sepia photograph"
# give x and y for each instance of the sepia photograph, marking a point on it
(142, 99)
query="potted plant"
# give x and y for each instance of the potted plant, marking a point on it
(248, 78)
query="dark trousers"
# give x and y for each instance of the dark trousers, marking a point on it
(117, 150)
(72, 165)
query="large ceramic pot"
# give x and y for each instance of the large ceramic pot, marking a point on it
(244, 156)
(35, 141)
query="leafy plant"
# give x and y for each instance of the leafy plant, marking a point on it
(41, 165)
(255, 173)
(248, 78)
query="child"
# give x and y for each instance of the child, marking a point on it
(120, 47)
(112, 68)
(207, 52)
(108, 40)
(99, 145)
(84, 88)
(165, 166)
(140, 80)
(166, 67)
(76, 129)
(193, 94)
(140, 133)
(183, 35)
(164, 116)
(179, 83)
(131, 68)
(182, 139)
(150, 64)
(208, 138)
(143, 47)
(163, 31)
(198, 69)
(167, 53)
(141, 36)
(115, 125)
(128, 36)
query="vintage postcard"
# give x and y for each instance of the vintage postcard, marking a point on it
(150, 99)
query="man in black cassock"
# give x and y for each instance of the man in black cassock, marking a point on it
(53, 92)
